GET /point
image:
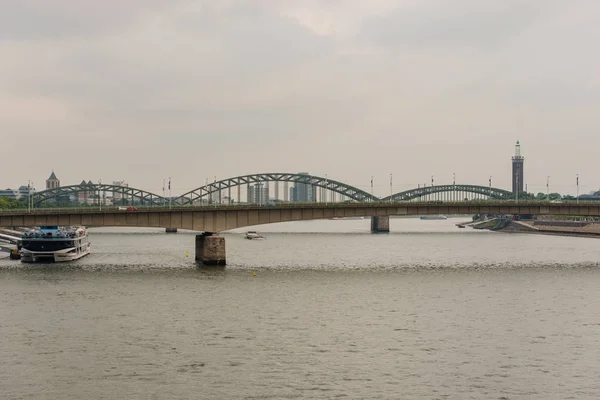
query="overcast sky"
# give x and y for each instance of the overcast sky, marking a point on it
(140, 90)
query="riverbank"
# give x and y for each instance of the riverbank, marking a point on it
(554, 227)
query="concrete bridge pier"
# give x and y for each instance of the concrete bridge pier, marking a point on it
(210, 249)
(380, 224)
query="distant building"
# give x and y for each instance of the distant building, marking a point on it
(517, 170)
(10, 193)
(117, 196)
(303, 192)
(52, 182)
(258, 193)
(83, 196)
(25, 190)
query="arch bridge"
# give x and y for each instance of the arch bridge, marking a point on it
(329, 190)
(207, 191)
(452, 192)
(93, 193)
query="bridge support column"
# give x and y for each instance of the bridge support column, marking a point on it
(380, 224)
(171, 230)
(210, 249)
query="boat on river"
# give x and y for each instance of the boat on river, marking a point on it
(54, 244)
(433, 217)
(253, 235)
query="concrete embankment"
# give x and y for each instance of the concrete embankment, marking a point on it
(563, 228)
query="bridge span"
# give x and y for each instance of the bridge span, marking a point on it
(213, 220)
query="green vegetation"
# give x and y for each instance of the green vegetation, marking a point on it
(6, 202)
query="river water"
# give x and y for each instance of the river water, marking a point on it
(427, 311)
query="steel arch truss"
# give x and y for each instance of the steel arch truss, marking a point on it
(492, 193)
(204, 192)
(123, 192)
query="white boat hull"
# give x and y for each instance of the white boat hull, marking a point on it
(53, 256)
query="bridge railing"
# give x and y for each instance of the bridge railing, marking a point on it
(239, 206)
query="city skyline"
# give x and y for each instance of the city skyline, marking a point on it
(193, 90)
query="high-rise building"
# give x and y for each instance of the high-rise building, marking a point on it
(517, 170)
(52, 182)
(258, 193)
(303, 192)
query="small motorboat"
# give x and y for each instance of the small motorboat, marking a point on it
(253, 235)
(460, 226)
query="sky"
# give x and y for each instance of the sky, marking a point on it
(143, 90)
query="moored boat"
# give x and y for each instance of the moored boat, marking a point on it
(253, 235)
(433, 217)
(54, 244)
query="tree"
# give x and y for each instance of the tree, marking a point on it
(6, 202)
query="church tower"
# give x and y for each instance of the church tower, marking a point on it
(53, 182)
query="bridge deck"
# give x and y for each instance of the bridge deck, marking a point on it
(222, 217)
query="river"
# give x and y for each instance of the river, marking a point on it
(321, 309)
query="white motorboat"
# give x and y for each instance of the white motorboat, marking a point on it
(253, 235)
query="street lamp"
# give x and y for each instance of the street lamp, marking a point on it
(577, 188)
(548, 188)
(391, 188)
(99, 196)
(28, 196)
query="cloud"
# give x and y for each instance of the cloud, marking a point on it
(196, 89)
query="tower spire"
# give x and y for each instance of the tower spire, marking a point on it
(517, 171)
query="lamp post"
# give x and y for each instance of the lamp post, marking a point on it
(169, 192)
(29, 196)
(391, 188)
(453, 194)
(371, 188)
(577, 188)
(548, 188)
